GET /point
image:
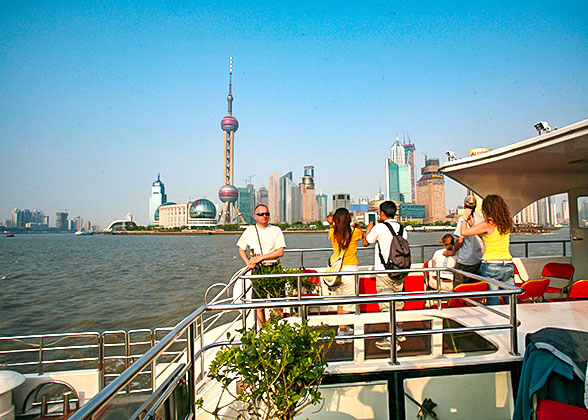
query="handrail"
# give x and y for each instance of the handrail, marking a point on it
(422, 248)
(191, 321)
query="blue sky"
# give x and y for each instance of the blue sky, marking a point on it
(97, 98)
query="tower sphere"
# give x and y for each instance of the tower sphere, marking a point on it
(229, 123)
(228, 193)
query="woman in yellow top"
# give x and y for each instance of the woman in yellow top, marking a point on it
(495, 233)
(343, 236)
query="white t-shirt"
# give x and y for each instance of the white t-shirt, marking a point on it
(443, 261)
(383, 236)
(472, 247)
(271, 238)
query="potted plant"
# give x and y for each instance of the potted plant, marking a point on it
(279, 286)
(274, 373)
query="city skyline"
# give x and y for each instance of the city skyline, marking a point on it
(329, 84)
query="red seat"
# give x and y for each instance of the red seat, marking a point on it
(579, 290)
(426, 273)
(367, 286)
(549, 410)
(414, 282)
(479, 286)
(562, 271)
(534, 290)
(517, 276)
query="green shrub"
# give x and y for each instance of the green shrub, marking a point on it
(278, 369)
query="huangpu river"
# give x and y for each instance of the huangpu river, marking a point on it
(56, 283)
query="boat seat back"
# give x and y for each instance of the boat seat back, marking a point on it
(478, 286)
(561, 271)
(534, 290)
(579, 290)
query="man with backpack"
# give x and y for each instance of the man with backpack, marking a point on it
(389, 235)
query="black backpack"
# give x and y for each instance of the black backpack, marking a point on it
(399, 257)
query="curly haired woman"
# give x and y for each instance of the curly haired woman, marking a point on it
(495, 232)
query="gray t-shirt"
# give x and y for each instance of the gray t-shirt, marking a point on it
(472, 248)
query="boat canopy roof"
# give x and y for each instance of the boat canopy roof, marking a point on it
(524, 172)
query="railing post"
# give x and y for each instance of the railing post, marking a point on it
(127, 357)
(526, 249)
(201, 346)
(101, 367)
(564, 247)
(153, 362)
(357, 305)
(302, 258)
(423, 254)
(191, 370)
(40, 356)
(514, 341)
(393, 351)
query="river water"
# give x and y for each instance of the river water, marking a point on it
(55, 283)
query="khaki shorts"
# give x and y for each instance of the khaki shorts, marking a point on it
(347, 286)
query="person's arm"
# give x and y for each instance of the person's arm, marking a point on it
(246, 260)
(274, 255)
(369, 228)
(458, 243)
(479, 229)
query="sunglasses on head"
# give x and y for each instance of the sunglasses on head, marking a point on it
(262, 214)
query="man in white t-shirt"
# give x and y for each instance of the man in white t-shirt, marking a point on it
(382, 235)
(471, 248)
(266, 244)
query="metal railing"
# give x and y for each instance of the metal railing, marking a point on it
(420, 255)
(192, 371)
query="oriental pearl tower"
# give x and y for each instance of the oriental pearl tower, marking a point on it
(228, 194)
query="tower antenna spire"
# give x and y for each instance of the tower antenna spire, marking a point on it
(230, 97)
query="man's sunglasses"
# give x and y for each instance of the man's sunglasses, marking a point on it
(262, 214)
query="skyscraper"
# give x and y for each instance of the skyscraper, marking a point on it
(321, 200)
(246, 203)
(397, 174)
(431, 192)
(262, 195)
(290, 200)
(157, 198)
(273, 198)
(61, 221)
(341, 200)
(307, 191)
(228, 194)
(409, 151)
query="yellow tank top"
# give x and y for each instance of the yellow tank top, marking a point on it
(496, 246)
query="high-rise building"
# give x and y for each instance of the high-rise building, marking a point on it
(307, 191)
(246, 203)
(341, 200)
(61, 221)
(397, 174)
(322, 202)
(273, 198)
(409, 151)
(20, 218)
(527, 215)
(565, 212)
(290, 200)
(228, 194)
(431, 192)
(262, 196)
(79, 224)
(157, 198)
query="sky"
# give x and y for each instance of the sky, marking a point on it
(97, 98)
